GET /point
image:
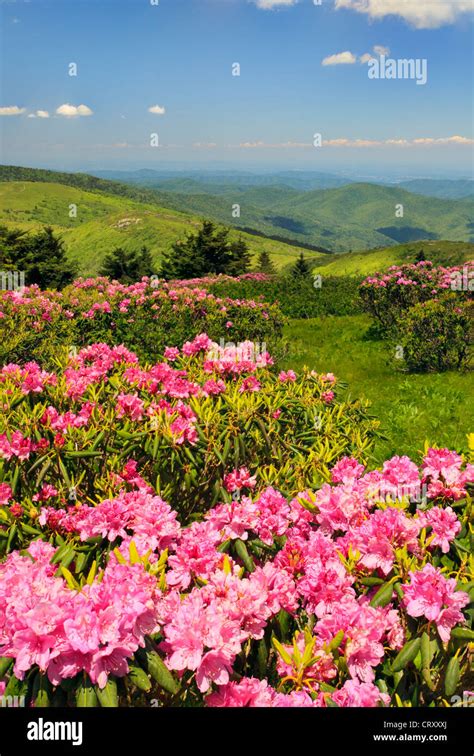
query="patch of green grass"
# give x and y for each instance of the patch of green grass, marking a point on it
(412, 409)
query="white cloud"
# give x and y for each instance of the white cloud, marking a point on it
(157, 110)
(11, 110)
(71, 111)
(422, 14)
(338, 59)
(345, 142)
(381, 50)
(271, 4)
(443, 140)
(418, 142)
(378, 50)
(39, 114)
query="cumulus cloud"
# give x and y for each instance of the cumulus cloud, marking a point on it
(422, 14)
(381, 50)
(39, 114)
(377, 50)
(345, 142)
(443, 140)
(418, 142)
(342, 58)
(271, 4)
(71, 111)
(11, 110)
(157, 110)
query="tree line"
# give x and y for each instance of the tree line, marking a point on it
(43, 259)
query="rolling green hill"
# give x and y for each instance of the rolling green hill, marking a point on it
(340, 219)
(364, 263)
(348, 217)
(105, 221)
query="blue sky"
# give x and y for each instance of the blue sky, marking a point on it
(132, 55)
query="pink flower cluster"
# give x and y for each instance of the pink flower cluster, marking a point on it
(64, 631)
(138, 514)
(227, 576)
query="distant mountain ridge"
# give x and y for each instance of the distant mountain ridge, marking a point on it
(339, 219)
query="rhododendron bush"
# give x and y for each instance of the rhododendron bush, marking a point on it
(351, 595)
(206, 531)
(388, 294)
(145, 316)
(102, 421)
(426, 312)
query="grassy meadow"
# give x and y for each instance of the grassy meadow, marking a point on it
(412, 409)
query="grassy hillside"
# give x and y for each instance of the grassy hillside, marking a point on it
(341, 219)
(106, 221)
(403, 403)
(363, 263)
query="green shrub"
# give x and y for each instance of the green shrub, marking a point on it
(301, 297)
(143, 317)
(436, 335)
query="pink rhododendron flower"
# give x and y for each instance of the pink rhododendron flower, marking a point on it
(239, 479)
(360, 694)
(429, 594)
(444, 526)
(5, 493)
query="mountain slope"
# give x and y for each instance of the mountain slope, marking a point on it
(352, 216)
(443, 188)
(363, 263)
(107, 221)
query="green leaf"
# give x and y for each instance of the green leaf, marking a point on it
(383, 595)
(157, 668)
(282, 651)
(108, 697)
(139, 677)
(86, 696)
(406, 655)
(42, 690)
(451, 680)
(462, 633)
(243, 554)
(5, 664)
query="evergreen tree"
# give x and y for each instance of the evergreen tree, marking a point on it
(420, 256)
(146, 266)
(41, 257)
(127, 266)
(300, 268)
(265, 264)
(240, 258)
(206, 252)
